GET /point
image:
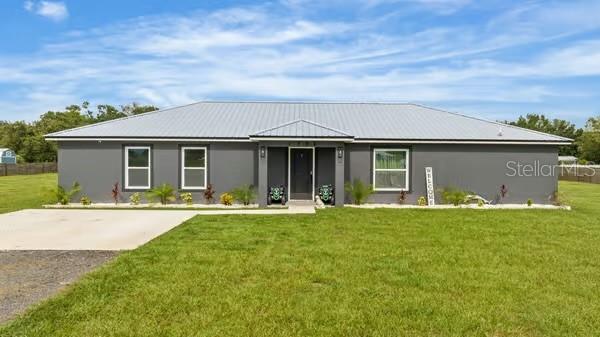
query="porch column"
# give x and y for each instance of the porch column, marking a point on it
(263, 153)
(339, 174)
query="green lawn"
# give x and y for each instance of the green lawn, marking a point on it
(28, 191)
(348, 272)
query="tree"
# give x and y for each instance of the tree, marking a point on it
(136, 109)
(27, 139)
(12, 135)
(558, 127)
(589, 143)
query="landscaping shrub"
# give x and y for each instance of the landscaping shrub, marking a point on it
(164, 193)
(85, 201)
(480, 203)
(422, 201)
(529, 202)
(135, 198)
(358, 191)
(209, 193)
(226, 199)
(454, 196)
(64, 196)
(244, 194)
(187, 198)
(402, 197)
(115, 192)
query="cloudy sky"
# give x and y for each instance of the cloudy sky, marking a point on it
(493, 59)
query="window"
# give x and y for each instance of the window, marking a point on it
(193, 167)
(390, 169)
(137, 167)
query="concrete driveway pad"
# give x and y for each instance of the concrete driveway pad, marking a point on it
(68, 229)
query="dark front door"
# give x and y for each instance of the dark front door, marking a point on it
(301, 175)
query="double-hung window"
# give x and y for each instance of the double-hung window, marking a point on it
(137, 167)
(193, 167)
(390, 169)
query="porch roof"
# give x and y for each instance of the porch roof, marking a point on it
(301, 128)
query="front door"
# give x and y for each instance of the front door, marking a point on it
(301, 174)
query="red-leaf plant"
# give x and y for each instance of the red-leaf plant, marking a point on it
(503, 191)
(209, 193)
(115, 192)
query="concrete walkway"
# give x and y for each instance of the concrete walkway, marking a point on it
(71, 229)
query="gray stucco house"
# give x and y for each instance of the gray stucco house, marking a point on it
(304, 145)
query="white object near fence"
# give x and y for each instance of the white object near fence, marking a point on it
(429, 179)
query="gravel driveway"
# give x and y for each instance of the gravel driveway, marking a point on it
(27, 277)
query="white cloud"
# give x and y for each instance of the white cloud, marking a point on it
(265, 52)
(53, 10)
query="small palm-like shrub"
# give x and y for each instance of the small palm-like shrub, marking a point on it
(226, 199)
(529, 202)
(135, 198)
(244, 194)
(422, 201)
(164, 193)
(64, 196)
(454, 196)
(85, 201)
(187, 198)
(358, 190)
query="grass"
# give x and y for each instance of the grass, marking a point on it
(348, 272)
(27, 191)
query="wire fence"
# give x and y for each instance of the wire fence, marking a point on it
(26, 168)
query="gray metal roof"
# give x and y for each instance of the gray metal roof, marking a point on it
(381, 121)
(302, 129)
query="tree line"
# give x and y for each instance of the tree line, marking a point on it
(27, 139)
(586, 145)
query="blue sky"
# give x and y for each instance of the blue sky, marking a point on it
(494, 59)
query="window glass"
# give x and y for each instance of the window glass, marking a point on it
(390, 179)
(194, 157)
(390, 159)
(138, 157)
(138, 177)
(193, 170)
(390, 169)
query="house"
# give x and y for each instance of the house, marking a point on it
(7, 156)
(303, 145)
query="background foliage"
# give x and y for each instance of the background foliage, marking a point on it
(27, 139)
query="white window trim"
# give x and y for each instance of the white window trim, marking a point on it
(127, 167)
(393, 170)
(183, 168)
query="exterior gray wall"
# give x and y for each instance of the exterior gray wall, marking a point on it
(277, 166)
(325, 167)
(481, 169)
(97, 166)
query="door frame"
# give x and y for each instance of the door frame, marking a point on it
(290, 170)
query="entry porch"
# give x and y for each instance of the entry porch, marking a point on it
(301, 168)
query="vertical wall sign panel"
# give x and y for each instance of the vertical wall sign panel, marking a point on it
(429, 179)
